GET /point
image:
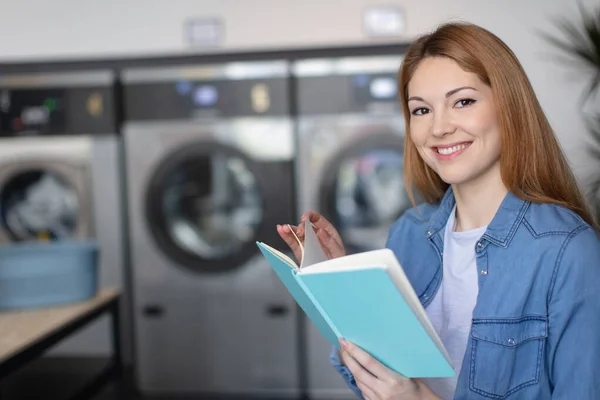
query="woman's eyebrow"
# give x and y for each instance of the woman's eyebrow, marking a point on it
(450, 93)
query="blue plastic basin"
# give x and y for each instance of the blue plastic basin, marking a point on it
(42, 274)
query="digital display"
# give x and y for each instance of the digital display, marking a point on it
(206, 95)
(189, 99)
(57, 111)
(32, 111)
(383, 88)
(376, 87)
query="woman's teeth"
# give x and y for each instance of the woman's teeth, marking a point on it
(454, 149)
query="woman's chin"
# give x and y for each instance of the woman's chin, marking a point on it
(454, 179)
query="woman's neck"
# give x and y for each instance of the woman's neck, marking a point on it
(478, 201)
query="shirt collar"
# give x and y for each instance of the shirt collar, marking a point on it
(503, 225)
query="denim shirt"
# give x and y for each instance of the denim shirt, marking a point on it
(535, 330)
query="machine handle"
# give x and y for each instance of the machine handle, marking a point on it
(153, 311)
(277, 310)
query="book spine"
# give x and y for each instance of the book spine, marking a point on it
(312, 298)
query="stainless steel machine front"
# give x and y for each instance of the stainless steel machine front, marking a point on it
(209, 154)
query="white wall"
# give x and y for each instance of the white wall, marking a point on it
(66, 29)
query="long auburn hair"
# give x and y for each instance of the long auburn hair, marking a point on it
(532, 164)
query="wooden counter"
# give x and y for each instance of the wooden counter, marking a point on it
(27, 334)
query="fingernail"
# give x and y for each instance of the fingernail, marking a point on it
(343, 342)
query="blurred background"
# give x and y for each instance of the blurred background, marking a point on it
(174, 135)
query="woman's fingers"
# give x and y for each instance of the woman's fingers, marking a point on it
(366, 378)
(320, 222)
(295, 231)
(367, 393)
(300, 231)
(368, 362)
(328, 236)
(285, 231)
(330, 245)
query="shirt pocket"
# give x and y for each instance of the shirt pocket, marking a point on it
(506, 354)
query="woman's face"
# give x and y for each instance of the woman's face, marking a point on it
(453, 121)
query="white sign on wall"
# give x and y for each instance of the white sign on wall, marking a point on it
(204, 32)
(384, 21)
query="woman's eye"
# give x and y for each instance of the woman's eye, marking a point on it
(420, 111)
(464, 103)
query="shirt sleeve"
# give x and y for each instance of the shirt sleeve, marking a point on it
(334, 359)
(574, 317)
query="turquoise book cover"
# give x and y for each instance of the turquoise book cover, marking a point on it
(366, 299)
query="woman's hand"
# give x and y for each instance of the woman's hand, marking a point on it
(329, 237)
(377, 382)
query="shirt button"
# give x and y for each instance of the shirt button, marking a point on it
(480, 244)
(428, 233)
(511, 341)
(484, 272)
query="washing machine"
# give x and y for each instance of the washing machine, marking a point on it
(350, 168)
(209, 154)
(60, 174)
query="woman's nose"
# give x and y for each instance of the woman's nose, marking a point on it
(441, 125)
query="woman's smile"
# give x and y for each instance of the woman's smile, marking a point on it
(450, 151)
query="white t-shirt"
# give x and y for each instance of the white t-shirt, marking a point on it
(451, 309)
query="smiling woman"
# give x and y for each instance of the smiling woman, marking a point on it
(504, 253)
(454, 129)
(451, 83)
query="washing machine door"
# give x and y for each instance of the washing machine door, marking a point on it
(43, 201)
(204, 207)
(363, 191)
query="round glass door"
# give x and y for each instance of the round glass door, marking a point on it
(364, 195)
(204, 208)
(38, 205)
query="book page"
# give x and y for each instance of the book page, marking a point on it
(280, 254)
(312, 252)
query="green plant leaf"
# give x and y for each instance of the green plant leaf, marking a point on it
(575, 43)
(594, 191)
(593, 126)
(581, 43)
(594, 152)
(593, 85)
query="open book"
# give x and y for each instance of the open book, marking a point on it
(366, 299)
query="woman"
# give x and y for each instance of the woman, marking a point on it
(504, 253)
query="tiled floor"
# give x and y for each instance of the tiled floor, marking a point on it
(58, 379)
(117, 393)
(50, 378)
